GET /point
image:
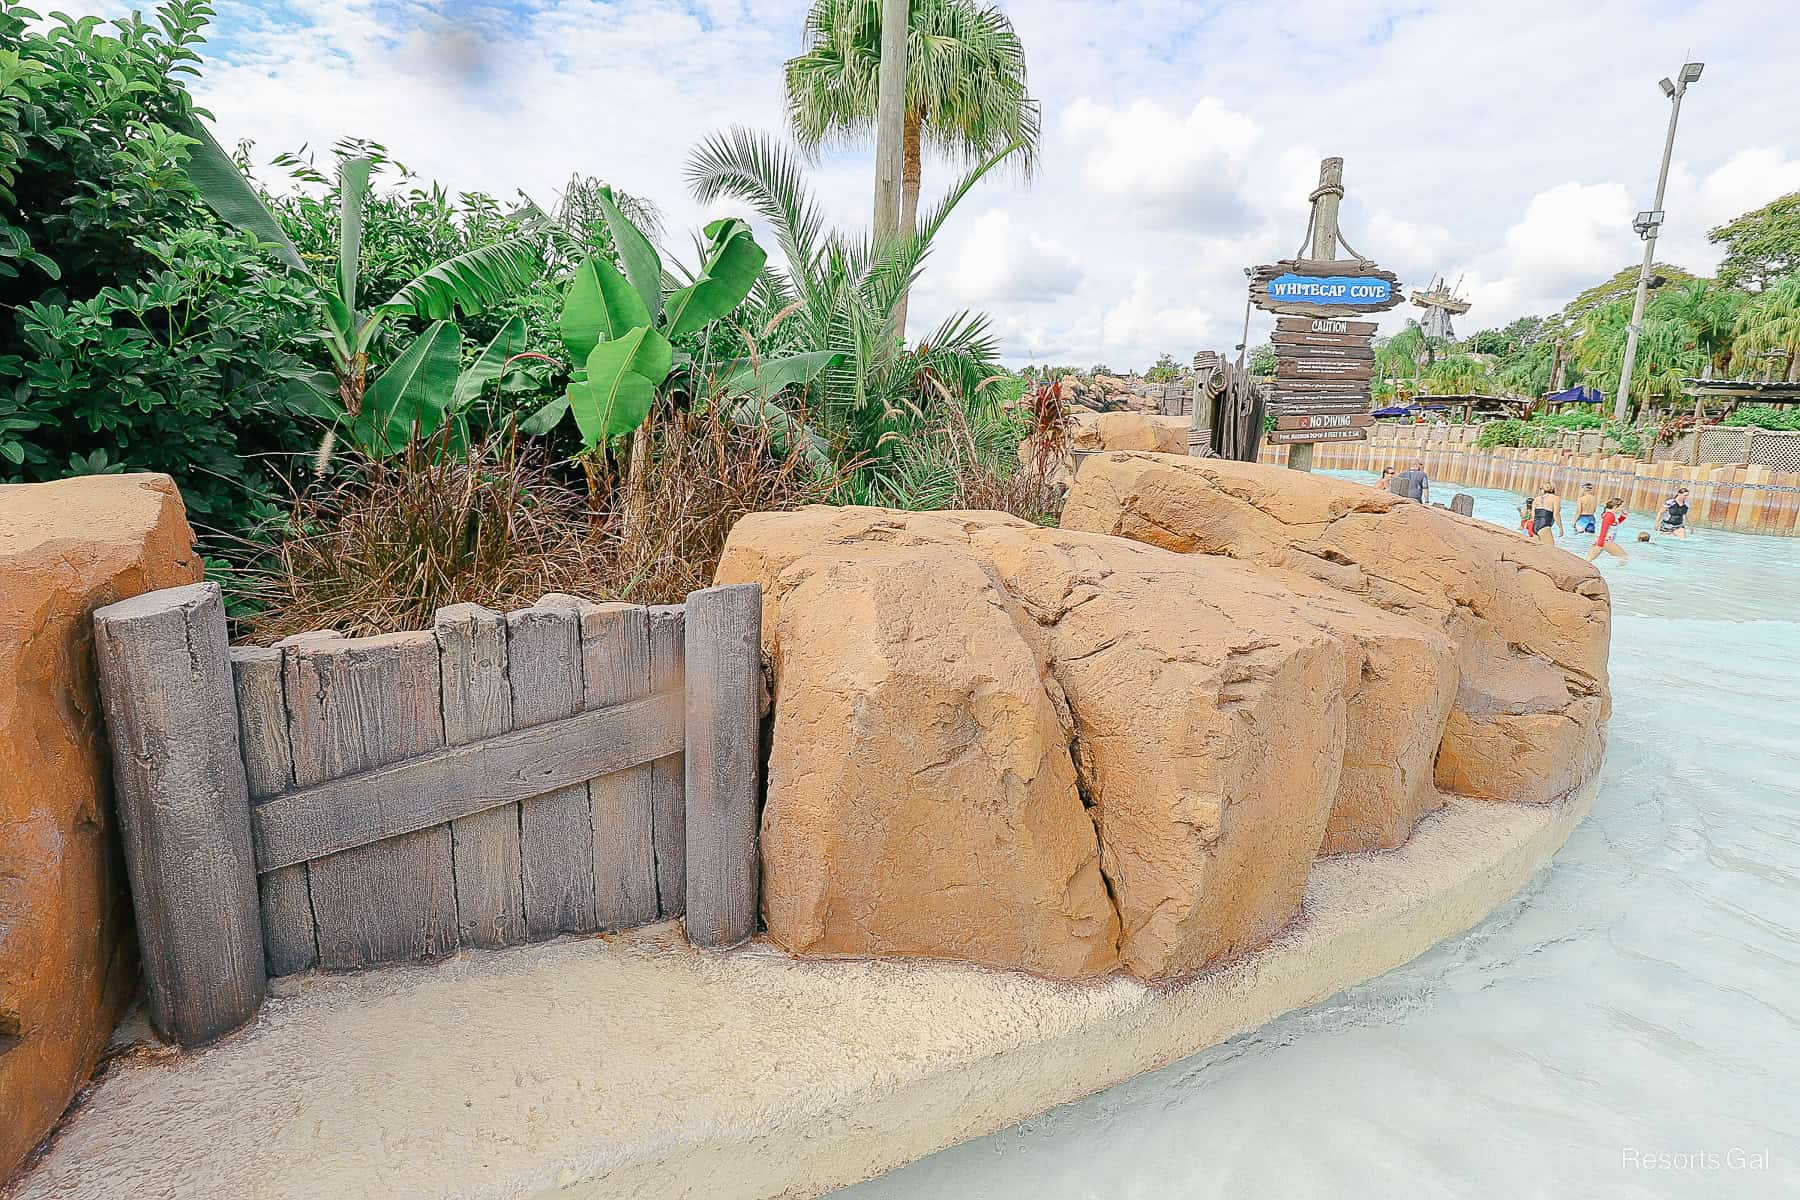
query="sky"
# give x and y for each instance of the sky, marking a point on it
(1503, 145)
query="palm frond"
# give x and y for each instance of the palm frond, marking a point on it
(470, 281)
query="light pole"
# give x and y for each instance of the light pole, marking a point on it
(1647, 224)
(1245, 340)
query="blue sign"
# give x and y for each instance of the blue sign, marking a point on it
(1346, 290)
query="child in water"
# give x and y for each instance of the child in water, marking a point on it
(1584, 509)
(1525, 517)
(1610, 519)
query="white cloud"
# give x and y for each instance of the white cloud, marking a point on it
(1191, 169)
(999, 262)
(1181, 139)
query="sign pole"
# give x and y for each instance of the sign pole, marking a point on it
(1325, 199)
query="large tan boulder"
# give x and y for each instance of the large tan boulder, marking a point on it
(1112, 431)
(917, 790)
(67, 948)
(1531, 623)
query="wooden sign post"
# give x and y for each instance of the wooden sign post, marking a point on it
(1324, 358)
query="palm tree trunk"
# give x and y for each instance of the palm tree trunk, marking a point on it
(909, 201)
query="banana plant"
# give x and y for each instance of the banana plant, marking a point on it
(618, 325)
(423, 378)
(427, 387)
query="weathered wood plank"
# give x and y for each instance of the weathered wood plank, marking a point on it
(447, 785)
(615, 652)
(667, 775)
(490, 898)
(724, 685)
(287, 892)
(353, 705)
(184, 808)
(556, 839)
(289, 944)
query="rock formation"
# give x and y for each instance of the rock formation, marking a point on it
(963, 699)
(1530, 623)
(1112, 431)
(67, 947)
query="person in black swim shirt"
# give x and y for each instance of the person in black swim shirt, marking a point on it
(1674, 514)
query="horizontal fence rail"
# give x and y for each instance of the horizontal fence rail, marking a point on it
(498, 779)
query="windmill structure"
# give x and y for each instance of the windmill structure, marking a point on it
(1440, 303)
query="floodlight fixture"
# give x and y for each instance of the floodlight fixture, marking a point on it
(1691, 71)
(1667, 87)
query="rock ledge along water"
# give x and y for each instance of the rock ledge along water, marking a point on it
(1531, 623)
(972, 711)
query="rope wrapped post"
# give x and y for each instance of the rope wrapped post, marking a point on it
(184, 808)
(724, 677)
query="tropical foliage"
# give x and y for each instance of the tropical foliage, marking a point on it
(136, 333)
(1762, 245)
(966, 92)
(840, 293)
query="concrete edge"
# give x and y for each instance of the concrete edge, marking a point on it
(1360, 919)
(630, 1065)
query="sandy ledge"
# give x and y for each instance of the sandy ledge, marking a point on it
(631, 1067)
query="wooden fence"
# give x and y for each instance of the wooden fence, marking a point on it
(1748, 499)
(501, 778)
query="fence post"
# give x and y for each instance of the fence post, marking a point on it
(724, 671)
(184, 808)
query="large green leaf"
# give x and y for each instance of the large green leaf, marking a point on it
(642, 265)
(731, 269)
(471, 281)
(598, 306)
(768, 377)
(488, 364)
(353, 192)
(413, 393)
(545, 419)
(622, 377)
(229, 194)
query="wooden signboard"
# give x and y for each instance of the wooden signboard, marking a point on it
(1359, 420)
(1290, 408)
(1308, 287)
(1321, 387)
(1322, 345)
(1323, 327)
(1287, 437)
(1323, 368)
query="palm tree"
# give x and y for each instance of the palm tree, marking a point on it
(965, 87)
(839, 296)
(1708, 309)
(1770, 323)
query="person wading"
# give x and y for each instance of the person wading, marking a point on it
(1584, 509)
(1546, 511)
(1412, 484)
(1607, 542)
(1674, 514)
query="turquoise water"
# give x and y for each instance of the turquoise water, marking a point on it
(1627, 1026)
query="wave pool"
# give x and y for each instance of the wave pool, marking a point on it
(1628, 1026)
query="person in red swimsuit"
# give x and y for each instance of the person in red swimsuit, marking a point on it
(1610, 519)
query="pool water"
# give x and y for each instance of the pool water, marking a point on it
(1629, 1025)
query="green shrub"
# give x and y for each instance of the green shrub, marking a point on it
(135, 333)
(1762, 416)
(1508, 432)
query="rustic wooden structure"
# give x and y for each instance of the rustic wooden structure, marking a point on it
(1325, 359)
(1440, 303)
(184, 808)
(500, 778)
